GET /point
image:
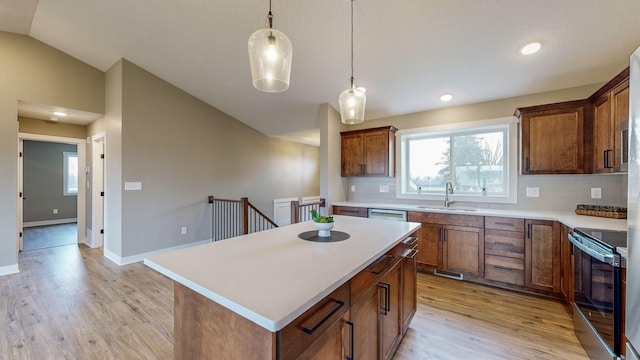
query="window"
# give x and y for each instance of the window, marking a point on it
(70, 175)
(479, 158)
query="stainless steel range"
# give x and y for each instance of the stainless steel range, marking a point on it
(597, 290)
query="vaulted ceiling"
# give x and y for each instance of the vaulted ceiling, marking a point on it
(407, 53)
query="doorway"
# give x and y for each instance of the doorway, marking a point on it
(98, 171)
(79, 162)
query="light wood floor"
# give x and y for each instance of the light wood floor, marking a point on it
(69, 302)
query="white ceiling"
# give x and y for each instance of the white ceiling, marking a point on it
(407, 53)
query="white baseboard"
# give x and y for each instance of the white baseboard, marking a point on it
(50, 222)
(139, 257)
(8, 270)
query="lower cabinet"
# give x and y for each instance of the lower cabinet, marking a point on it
(450, 242)
(383, 300)
(542, 255)
(504, 250)
(350, 211)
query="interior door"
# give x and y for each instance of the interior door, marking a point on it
(20, 196)
(97, 219)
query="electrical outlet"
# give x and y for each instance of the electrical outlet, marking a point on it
(384, 188)
(533, 192)
(183, 230)
(596, 193)
(55, 211)
(353, 188)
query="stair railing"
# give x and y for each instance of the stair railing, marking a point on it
(230, 218)
(302, 211)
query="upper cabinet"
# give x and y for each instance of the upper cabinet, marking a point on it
(369, 152)
(553, 138)
(610, 114)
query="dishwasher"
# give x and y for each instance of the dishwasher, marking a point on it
(384, 214)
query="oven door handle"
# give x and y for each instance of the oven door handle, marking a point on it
(605, 258)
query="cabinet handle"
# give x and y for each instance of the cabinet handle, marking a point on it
(503, 223)
(607, 165)
(526, 161)
(410, 253)
(501, 268)
(351, 341)
(528, 231)
(410, 241)
(389, 259)
(387, 298)
(313, 329)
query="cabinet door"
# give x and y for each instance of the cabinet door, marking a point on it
(352, 155)
(602, 133)
(376, 153)
(566, 263)
(429, 249)
(463, 250)
(553, 142)
(542, 255)
(390, 315)
(620, 104)
(364, 316)
(409, 287)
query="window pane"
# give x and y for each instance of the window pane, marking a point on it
(427, 164)
(72, 174)
(478, 162)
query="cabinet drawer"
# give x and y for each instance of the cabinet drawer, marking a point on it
(349, 211)
(444, 219)
(370, 276)
(502, 223)
(504, 269)
(504, 243)
(308, 327)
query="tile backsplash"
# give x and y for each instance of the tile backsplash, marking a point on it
(556, 192)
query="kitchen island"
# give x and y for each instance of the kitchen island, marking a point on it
(272, 295)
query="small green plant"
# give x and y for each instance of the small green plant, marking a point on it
(320, 218)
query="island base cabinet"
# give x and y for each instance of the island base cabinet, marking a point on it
(390, 321)
(202, 331)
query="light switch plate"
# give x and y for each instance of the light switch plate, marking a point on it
(596, 193)
(384, 188)
(128, 186)
(533, 192)
(353, 188)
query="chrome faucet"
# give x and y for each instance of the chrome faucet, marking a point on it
(448, 189)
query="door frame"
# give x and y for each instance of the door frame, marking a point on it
(81, 198)
(98, 185)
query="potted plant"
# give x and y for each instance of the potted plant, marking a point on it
(324, 224)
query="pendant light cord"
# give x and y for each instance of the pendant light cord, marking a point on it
(270, 16)
(351, 42)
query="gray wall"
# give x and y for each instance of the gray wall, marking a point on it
(182, 150)
(43, 182)
(35, 72)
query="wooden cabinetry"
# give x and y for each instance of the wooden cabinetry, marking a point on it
(450, 242)
(350, 211)
(542, 255)
(504, 250)
(383, 300)
(553, 138)
(566, 263)
(369, 152)
(610, 110)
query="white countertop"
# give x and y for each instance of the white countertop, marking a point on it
(271, 277)
(569, 218)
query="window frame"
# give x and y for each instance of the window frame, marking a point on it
(65, 173)
(510, 153)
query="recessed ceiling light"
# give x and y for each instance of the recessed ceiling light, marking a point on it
(446, 97)
(530, 48)
(59, 113)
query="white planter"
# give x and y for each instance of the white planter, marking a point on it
(324, 229)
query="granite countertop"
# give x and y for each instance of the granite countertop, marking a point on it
(568, 218)
(272, 277)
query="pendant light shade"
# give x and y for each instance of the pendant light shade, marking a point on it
(270, 54)
(352, 101)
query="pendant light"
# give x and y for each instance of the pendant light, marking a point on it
(353, 100)
(270, 54)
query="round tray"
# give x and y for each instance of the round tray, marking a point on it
(334, 237)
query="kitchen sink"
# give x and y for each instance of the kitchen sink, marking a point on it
(450, 208)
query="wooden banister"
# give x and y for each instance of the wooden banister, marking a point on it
(302, 212)
(230, 218)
